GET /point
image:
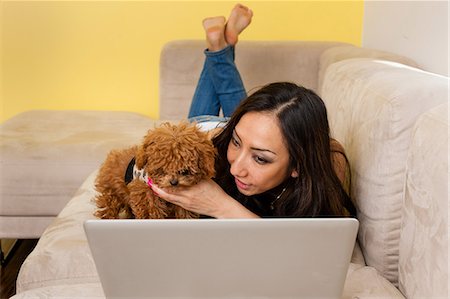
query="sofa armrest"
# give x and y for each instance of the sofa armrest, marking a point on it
(372, 107)
(423, 247)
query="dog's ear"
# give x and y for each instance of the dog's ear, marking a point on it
(141, 157)
(207, 154)
(143, 150)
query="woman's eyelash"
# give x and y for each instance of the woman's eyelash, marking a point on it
(234, 140)
(261, 160)
(258, 159)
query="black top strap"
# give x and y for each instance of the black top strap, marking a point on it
(129, 173)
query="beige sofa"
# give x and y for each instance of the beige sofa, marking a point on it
(46, 155)
(390, 117)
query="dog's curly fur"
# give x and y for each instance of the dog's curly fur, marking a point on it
(171, 155)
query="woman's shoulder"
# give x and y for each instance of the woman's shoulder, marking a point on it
(336, 146)
(340, 163)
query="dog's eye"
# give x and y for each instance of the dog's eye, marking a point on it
(159, 171)
(184, 172)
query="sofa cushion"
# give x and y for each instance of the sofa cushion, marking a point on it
(372, 108)
(61, 265)
(62, 255)
(423, 266)
(361, 283)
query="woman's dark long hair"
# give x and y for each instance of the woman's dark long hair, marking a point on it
(302, 116)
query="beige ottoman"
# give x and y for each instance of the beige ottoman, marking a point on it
(46, 155)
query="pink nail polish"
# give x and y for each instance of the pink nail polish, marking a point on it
(150, 182)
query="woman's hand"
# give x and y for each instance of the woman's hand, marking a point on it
(206, 198)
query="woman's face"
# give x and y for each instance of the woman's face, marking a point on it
(258, 156)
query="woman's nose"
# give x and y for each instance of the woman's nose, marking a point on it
(238, 166)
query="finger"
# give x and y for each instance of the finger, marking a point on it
(158, 191)
(165, 195)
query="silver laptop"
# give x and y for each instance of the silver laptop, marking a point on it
(210, 258)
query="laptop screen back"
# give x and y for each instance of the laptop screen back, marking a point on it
(210, 258)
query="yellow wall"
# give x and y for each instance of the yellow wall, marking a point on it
(103, 55)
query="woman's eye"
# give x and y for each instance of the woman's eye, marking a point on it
(234, 141)
(260, 160)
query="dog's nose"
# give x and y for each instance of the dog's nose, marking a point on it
(174, 182)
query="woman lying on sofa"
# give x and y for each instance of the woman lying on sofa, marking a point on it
(275, 154)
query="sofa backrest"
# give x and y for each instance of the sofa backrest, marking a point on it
(372, 106)
(259, 62)
(423, 252)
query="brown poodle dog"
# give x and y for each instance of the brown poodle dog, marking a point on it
(171, 156)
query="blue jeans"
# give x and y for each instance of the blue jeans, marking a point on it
(220, 86)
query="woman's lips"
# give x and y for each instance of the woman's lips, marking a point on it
(241, 185)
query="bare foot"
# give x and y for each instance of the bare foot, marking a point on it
(240, 18)
(215, 33)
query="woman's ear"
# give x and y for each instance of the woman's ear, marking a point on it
(294, 174)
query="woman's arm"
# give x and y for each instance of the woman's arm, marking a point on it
(205, 198)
